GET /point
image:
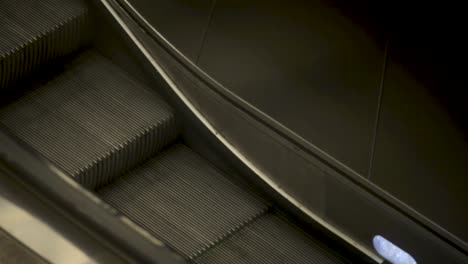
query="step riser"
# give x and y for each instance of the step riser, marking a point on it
(34, 47)
(92, 120)
(127, 156)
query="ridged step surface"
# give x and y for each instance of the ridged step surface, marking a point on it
(182, 199)
(92, 120)
(35, 32)
(269, 239)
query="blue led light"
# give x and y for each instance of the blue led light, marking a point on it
(390, 252)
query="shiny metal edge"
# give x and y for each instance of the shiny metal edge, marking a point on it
(38, 236)
(352, 175)
(97, 200)
(225, 142)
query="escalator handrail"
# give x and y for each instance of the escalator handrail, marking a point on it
(290, 136)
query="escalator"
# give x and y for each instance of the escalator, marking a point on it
(116, 136)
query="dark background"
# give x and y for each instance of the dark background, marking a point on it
(381, 87)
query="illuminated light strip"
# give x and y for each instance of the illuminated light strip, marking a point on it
(391, 252)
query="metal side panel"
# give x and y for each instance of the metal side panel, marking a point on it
(15, 252)
(50, 198)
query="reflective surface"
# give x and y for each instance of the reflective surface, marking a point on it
(15, 252)
(306, 65)
(38, 235)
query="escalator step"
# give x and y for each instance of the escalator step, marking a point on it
(183, 200)
(36, 32)
(92, 120)
(269, 239)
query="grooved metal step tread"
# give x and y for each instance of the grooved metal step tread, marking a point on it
(183, 200)
(92, 120)
(36, 32)
(269, 239)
